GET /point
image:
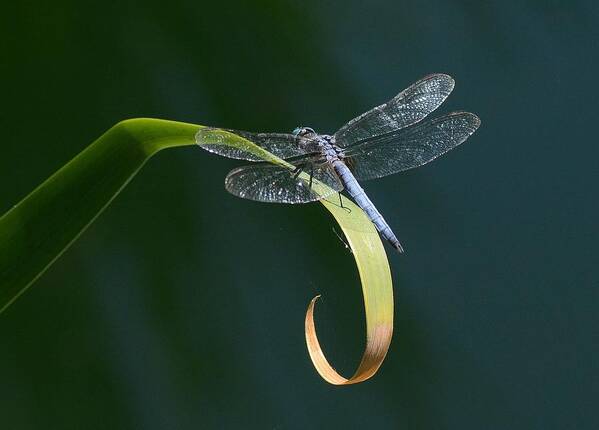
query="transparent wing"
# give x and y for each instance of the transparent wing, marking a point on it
(265, 182)
(409, 147)
(408, 107)
(233, 143)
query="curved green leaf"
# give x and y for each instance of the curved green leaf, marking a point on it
(35, 232)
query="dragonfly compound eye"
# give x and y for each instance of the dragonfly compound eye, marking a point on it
(303, 131)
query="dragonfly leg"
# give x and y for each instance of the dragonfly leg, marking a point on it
(311, 174)
(341, 203)
(296, 172)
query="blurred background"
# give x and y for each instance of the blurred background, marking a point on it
(182, 307)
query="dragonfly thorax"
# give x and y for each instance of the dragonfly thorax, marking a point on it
(326, 145)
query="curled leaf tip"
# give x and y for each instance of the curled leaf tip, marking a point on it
(375, 275)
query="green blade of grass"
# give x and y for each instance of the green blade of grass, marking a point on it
(35, 232)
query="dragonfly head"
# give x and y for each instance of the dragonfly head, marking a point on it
(303, 132)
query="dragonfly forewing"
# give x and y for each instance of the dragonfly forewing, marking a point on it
(238, 144)
(410, 106)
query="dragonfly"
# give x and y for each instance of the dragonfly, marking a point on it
(390, 138)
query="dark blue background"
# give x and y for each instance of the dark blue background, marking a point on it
(182, 307)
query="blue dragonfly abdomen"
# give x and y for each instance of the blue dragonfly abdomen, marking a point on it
(359, 196)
